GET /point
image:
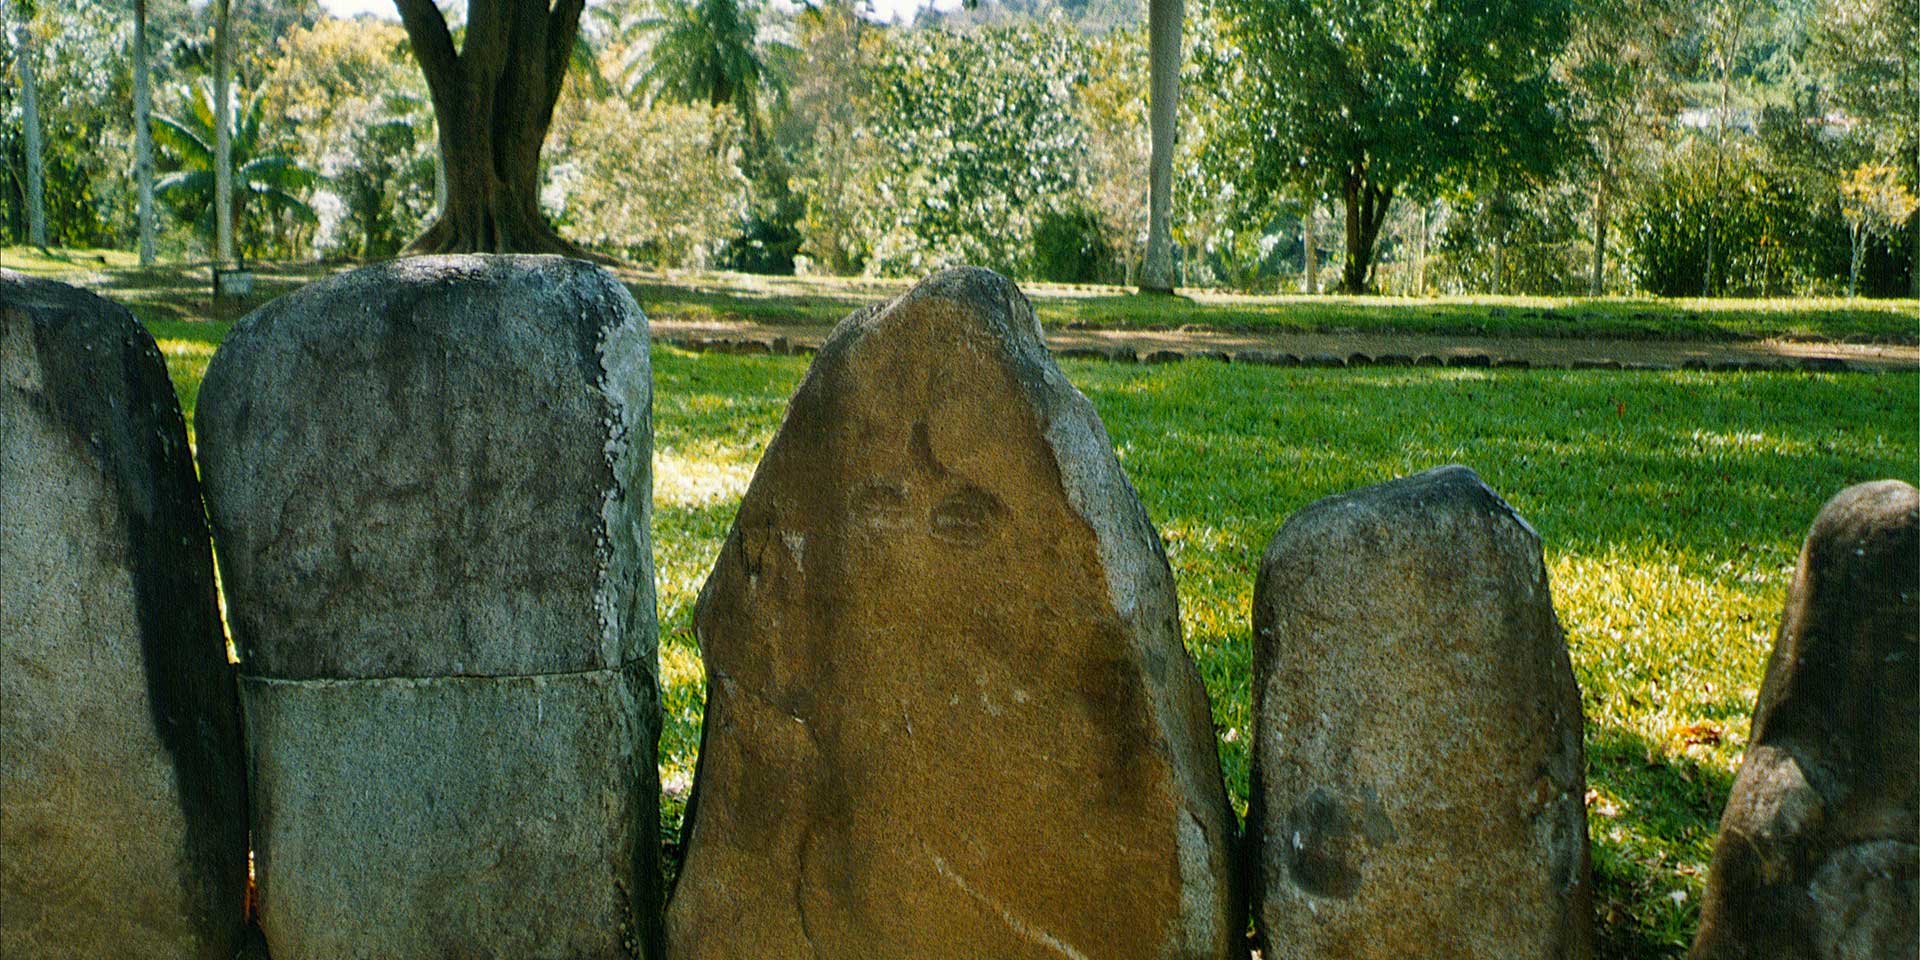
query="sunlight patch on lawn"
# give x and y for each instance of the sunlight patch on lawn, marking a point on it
(689, 482)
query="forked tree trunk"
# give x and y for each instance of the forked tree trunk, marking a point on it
(493, 100)
(143, 131)
(1367, 205)
(1163, 61)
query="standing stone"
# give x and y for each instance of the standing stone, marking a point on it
(430, 485)
(1819, 850)
(1417, 782)
(123, 827)
(948, 709)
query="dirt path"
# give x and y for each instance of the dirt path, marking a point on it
(1354, 349)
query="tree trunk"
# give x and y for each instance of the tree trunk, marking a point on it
(36, 156)
(439, 180)
(1420, 265)
(493, 100)
(223, 133)
(1913, 276)
(1367, 206)
(1163, 58)
(1598, 285)
(1499, 219)
(143, 131)
(1310, 274)
(1859, 238)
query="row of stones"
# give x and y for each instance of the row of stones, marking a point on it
(1125, 354)
(949, 712)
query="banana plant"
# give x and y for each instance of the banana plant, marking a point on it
(262, 181)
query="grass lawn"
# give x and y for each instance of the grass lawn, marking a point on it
(1671, 504)
(180, 293)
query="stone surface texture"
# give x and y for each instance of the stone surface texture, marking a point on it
(430, 483)
(949, 713)
(1818, 856)
(1418, 785)
(122, 789)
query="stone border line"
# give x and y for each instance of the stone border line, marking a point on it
(1459, 357)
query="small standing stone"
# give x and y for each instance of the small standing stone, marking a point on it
(948, 709)
(1418, 783)
(430, 484)
(123, 829)
(1819, 850)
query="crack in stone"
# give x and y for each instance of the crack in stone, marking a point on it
(1027, 931)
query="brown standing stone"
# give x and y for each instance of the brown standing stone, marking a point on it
(1819, 850)
(1418, 785)
(948, 709)
(430, 484)
(122, 793)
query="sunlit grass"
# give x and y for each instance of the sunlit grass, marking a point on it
(175, 292)
(1671, 506)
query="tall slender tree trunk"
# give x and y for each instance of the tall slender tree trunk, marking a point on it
(493, 101)
(1597, 286)
(1163, 58)
(1858, 235)
(1913, 275)
(223, 133)
(1420, 265)
(143, 131)
(1310, 275)
(36, 151)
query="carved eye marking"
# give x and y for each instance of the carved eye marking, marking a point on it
(967, 516)
(882, 504)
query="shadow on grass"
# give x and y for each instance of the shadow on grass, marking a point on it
(1652, 826)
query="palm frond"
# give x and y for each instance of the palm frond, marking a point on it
(185, 142)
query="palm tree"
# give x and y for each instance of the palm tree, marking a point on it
(1163, 57)
(706, 50)
(143, 131)
(223, 205)
(270, 180)
(30, 119)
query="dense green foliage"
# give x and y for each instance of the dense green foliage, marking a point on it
(1750, 210)
(1367, 100)
(266, 185)
(1537, 147)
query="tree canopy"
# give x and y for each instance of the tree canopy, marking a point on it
(1365, 99)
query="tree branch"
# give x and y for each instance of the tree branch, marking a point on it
(432, 46)
(563, 25)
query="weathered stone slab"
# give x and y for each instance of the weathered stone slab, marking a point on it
(1418, 783)
(430, 814)
(430, 484)
(405, 474)
(1819, 848)
(122, 790)
(948, 709)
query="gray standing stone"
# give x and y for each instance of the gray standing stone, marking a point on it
(123, 827)
(1418, 785)
(430, 485)
(1819, 850)
(948, 710)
